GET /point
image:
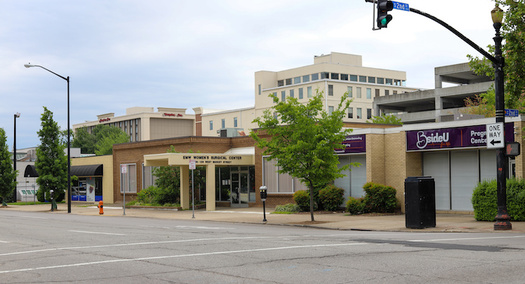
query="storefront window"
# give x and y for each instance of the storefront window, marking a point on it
(86, 189)
(128, 178)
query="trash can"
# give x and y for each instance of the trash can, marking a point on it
(420, 202)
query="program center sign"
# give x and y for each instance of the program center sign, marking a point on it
(451, 138)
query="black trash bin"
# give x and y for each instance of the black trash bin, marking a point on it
(420, 202)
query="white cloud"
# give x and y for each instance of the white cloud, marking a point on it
(203, 53)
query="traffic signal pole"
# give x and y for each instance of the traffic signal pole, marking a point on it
(502, 218)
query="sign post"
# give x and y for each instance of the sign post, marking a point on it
(123, 170)
(192, 167)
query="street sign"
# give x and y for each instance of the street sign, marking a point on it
(495, 139)
(192, 165)
(511, 112)
(401, 6)
(123, 169)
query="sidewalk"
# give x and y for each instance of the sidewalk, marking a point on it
(253, 215)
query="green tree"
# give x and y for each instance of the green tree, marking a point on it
(7, 173)
(386, 119)
(84, 140)
(107, 137)
(513, 32)
(302, 139)
(100, 141)
(168, 177)
(51, 162)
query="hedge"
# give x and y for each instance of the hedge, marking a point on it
(484, 200)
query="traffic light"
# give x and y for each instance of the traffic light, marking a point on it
(383, 18)
(512, 149)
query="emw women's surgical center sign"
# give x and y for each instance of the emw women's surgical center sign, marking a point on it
(447, 138)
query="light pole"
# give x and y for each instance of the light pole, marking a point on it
(16, 115)
(68, 136)
(502, 218)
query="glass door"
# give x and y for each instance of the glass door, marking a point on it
(239, 188)
(244, 188)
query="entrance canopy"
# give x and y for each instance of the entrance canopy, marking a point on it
(210, 161)
(201, 159)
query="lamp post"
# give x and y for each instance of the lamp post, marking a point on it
(16, 115)
(502, 218)
(68, 136)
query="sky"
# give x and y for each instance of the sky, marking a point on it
(203, 53)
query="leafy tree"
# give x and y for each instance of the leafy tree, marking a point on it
(302, 138)
(386, 119)
(168, 177)
(84, 140)
(7, 173)
(512, 31)
(100, 141)
(107, 137)
(51, 162)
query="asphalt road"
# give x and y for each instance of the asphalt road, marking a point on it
(39, 247)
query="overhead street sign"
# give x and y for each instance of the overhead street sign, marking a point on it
(511, 112)
(401, 6)
(495, 138)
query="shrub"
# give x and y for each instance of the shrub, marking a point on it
(355, 206)
(40, 196)
(302, 198)
(331, 198)
(484, 200)
(147, 195)
(287, 208)
(379, 198)
(158, 196)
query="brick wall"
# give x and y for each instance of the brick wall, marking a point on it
(399, 164)
(375, 158)
(133, 153)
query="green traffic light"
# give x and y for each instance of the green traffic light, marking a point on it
(386, 20)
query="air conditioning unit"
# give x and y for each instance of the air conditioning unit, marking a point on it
(232, 132)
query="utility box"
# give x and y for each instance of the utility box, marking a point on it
(420, 202)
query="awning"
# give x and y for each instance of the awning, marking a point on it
(79, 171)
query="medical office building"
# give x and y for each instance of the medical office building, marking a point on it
(455, 154)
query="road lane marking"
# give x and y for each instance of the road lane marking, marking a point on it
(177, 256)
(202, 227)
(467, 239)
(96, 233)
(130, 244)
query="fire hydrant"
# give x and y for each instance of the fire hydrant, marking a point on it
(100, 207)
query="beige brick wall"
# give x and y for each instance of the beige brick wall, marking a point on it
(399, 164)
(375, 158)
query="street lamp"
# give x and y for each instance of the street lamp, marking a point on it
(68, 136)
(502, 218)
(16, 115)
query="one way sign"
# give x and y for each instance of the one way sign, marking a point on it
(495, 136)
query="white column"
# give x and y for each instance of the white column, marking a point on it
(210, 187)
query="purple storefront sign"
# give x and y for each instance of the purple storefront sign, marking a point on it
(447, 138)
(353, 144)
